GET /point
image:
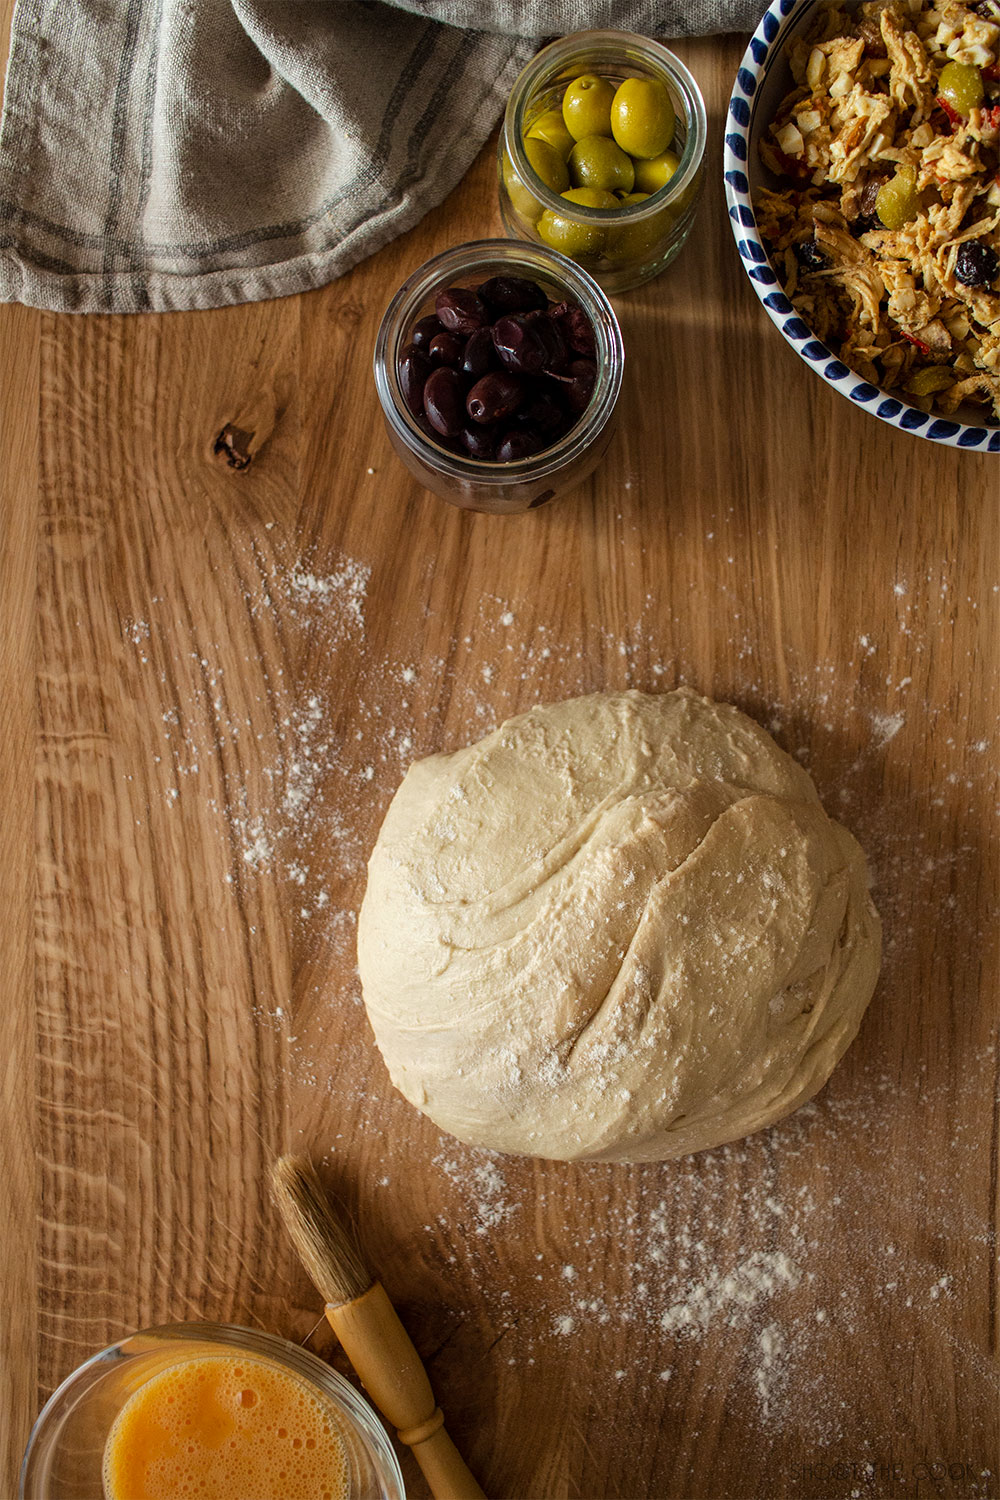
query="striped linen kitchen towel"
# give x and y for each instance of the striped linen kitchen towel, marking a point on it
(172, 154)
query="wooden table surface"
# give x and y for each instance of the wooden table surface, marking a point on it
(212, 681)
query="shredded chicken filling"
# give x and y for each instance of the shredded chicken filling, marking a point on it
(869, 110)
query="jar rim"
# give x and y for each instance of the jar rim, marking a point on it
(485, 258)
(611, 42)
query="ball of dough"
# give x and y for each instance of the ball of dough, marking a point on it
(619, 928)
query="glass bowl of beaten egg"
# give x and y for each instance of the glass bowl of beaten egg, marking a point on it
(211, 1410)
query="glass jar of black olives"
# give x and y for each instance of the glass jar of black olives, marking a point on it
(498, 366)
(559, 189)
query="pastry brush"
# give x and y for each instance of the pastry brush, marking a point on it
(365, 1321)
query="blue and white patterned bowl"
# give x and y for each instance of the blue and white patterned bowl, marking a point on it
(762, 82)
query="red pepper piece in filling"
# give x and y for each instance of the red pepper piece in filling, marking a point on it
(924, 348)
(790, 165)
(954, 118)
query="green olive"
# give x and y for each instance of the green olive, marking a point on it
(551, 128)
(961, 84)
(573, 237)
(639, 241)
(642, 117)
(897, 201)
(586, 106)
(930, 379)
(547, 164)
(596, 162)
(656, 171)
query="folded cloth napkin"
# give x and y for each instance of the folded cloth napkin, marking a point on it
(168, 154)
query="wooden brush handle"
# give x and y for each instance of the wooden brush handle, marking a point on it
(391, 1371)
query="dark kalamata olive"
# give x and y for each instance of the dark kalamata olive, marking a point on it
(581, 387)
(508, 294)
(446, 349)
(452, 444)
(976, 264)
(460, 310)
(576, 328)
(444, 401)
(809, 256)
(425, 330)
(479, 442)
(551, 334)
(414, 368)
(524, 343)
(519, 442)
(543, 411)
(479, 355)
(499, 391)
(496, 396)
(577, 384)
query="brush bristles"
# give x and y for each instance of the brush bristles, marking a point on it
(326, 1246)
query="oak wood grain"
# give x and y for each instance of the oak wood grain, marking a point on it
(18, 549)
(213, 680)
(19, 341)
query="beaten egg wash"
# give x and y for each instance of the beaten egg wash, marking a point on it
(225, 1427)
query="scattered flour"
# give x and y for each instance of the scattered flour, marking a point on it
(770, 1364)
(731, 1294)
(342, 591)
(885, 727)
(481, 1186)
(780, 1299)
(303, 766)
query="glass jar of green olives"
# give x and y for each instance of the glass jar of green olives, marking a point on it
(573, 452)
(582, 161)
